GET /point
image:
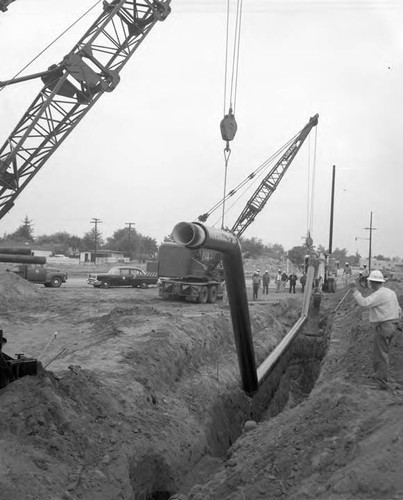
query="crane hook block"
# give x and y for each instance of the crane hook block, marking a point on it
(228, 127)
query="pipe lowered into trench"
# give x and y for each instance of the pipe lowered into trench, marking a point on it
(195, 235)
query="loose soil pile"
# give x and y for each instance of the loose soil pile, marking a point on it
(15, 292)
(144, 402)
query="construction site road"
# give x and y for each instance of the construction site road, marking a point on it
(141, 399)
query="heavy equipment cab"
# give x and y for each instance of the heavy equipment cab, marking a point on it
(184, 274)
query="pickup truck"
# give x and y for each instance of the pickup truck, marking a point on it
(123, 276)
(47, 276)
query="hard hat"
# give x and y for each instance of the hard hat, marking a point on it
(266, 271)
(376, 276)
(347, 264)
(258, 270)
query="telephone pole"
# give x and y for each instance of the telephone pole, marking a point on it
(370, 229)
(130, 224)
(96, 222)
(332, 211)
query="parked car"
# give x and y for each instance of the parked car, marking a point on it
(123, 276)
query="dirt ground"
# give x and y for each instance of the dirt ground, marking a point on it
(140, 399)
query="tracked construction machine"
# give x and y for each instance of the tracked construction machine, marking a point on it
(194, 274)
(13, 368)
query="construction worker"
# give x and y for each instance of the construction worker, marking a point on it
(278, 281)
(364, 276)
(256, 283)
(347, 273)
(284, 279)
(266, 282)
(224, 293)
(293, 281)
(385, 314)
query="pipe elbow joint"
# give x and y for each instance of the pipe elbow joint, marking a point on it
(189, 234)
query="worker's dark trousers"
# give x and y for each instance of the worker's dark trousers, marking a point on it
(255, 291)
(384, 333)
(265, 288)
(292, 288)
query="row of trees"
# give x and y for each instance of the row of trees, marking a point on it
(130, 242)
(134, 244)
(255, 248)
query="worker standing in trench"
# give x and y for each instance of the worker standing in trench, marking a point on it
(256, 283)
(385, 314)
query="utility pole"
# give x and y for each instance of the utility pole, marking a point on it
(332, 212)
(370, 229)
(96, 222)
(130, 224)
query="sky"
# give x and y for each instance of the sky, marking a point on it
(151, 152)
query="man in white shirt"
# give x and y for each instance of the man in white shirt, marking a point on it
(385, 314)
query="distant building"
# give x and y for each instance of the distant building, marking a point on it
(102, 257)
(40, 252)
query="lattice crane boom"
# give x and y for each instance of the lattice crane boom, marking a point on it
(270, 182)
(72, 87)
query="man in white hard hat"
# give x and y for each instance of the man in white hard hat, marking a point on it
(347, 273)
(385, 314)
(256, 280)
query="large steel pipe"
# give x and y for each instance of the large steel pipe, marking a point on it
(17, 251)
(196, 235)
(22, 259)
(274, 357)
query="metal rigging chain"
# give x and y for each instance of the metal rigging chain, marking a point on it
(54, 41)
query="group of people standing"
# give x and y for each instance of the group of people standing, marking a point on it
(280, 281)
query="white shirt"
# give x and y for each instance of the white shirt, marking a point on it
(382, 305)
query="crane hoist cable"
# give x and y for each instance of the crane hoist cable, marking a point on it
(246, 183)
(228, 125)
(51, 43)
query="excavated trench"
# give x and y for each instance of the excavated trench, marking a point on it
(288, 385)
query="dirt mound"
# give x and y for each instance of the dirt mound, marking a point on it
(15, 291)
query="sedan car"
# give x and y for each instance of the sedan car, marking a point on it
(123, 276)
